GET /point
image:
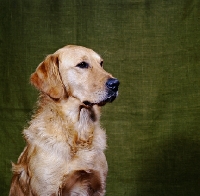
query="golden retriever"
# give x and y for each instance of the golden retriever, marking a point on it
(65, 147)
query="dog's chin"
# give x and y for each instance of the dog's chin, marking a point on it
(109, 99)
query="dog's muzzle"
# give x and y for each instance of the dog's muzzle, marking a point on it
(112, 85)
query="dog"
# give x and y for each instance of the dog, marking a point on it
(64, 155)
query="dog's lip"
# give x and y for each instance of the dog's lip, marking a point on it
(109, 99)
(87, 103)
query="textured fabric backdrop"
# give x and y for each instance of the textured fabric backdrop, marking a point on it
(152, 46)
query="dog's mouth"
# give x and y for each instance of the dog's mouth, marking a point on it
(110, 98)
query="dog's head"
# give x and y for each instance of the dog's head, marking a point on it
(78, 72)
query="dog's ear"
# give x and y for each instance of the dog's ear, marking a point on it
(47, 79)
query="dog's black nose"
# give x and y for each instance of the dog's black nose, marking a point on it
(112, 84)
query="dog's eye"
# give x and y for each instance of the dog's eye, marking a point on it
(83, 65)
(101, 63)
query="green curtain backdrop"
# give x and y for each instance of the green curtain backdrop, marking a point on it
(152, 47)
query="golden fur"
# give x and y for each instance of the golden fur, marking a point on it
(65, 147)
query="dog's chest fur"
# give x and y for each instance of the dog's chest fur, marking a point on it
(68, 138)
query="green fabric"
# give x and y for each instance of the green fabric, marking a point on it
(152, 47)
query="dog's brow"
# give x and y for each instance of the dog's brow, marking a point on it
(84, 58)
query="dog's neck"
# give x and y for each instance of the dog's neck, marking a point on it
(83, 119)
(75, 121)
